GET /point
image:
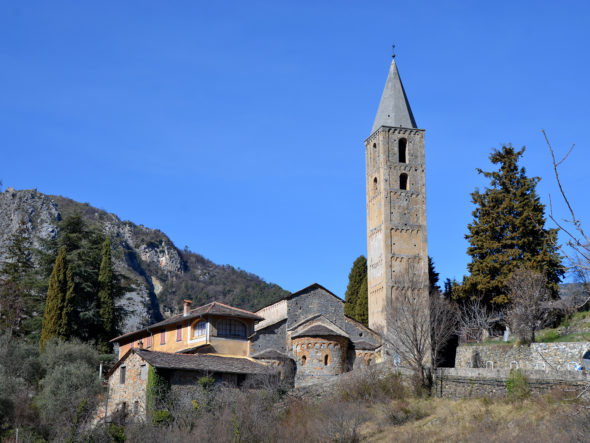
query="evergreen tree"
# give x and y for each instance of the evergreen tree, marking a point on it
(362, 303)
(433, 276)
(18, 258)
(106, 297)
(58, 306)
(508, 232)
(355, 280)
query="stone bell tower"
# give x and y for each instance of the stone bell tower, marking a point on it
(396, 205)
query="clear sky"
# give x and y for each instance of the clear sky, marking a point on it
(237, 128)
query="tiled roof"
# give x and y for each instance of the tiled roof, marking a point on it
(318, 331)
(214, 308)
(270, 354)
(365, 345)
(204, 362)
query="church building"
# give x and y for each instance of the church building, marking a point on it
(305, 337)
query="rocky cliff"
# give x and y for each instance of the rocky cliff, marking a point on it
(161, 275)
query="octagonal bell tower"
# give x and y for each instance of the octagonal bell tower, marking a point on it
(396, 205)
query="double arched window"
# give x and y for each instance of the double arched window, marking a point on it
(231, 328)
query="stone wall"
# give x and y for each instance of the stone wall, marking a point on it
(271, 337)
(537, 356)
(313, 302)
(466, 383)
(318, 358)
(130, 396)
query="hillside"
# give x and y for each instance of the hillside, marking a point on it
(161, 274)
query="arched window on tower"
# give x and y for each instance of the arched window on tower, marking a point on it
(375, 188)
(403, 182)
(402, 150)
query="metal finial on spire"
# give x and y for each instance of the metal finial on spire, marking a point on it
(392, 51)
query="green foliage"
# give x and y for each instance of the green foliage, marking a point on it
(206, 382)
(157, 388)
(508, 232)
(517, 385)
(162, 417)
(433, 276)
(58, 306)
(357, 274)
(18, 260)
(361, 312)
(117, 433)
(106, 297)
(548, 337)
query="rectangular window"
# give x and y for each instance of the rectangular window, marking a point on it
(163, 337)
(179, 333)
(122, 373)
(143, 372)
(200, 329)
(149, 341)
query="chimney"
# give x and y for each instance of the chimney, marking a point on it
(187, 306)
(140, 344)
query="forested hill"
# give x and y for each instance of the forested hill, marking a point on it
(160, 275)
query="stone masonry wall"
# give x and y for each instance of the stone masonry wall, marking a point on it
(130, 392)
(313, 302)
(318, 358)
(271, 337)
(467, 383)
(537, 356)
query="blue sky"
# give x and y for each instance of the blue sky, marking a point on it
(237, 127)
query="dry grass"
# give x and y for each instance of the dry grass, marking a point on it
(545, 419)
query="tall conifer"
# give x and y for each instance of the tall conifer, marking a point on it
(59, 302)
(362, 303)
(106, 296)
(355, 280)
(508, 231)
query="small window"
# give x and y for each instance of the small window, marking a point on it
(179, 333)
(149, 341)
(200, 329)
(326, 360)
(122, 374)
(402, 150)
(303, 360)
(163, 337)
(143, 372)
(231, 328)
(136, 407)
(375, 187)
(403, 182)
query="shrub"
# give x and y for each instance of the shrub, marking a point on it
(369, 384)
(117, 433)
(162, 417)
(549, 336)
(517, 385)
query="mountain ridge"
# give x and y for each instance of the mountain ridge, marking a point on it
(162, 275)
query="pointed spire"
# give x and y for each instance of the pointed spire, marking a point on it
(394, 109)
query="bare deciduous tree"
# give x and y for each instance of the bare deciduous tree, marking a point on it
(444, 322)
(416, 324)
(531, 303)
(475, 318)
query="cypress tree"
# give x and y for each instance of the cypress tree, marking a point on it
(433, 276)
(362, 303)
(106, 297)
(508, 232)
(58, 305)
(355, 280)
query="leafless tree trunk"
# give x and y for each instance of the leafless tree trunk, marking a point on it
(407, 328)
(531, 303)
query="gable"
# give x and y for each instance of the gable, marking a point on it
(314, 300)
(317, 322)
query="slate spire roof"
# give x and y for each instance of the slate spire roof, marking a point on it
(394, 108)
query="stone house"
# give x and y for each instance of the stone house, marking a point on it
(128, 379)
